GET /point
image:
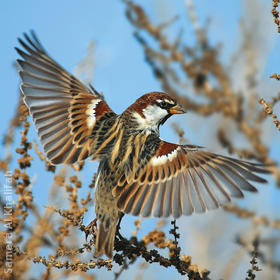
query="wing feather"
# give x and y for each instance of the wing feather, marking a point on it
(69, 116)
(211, 201)
(186, 179)
(147, 207)
(187, 202)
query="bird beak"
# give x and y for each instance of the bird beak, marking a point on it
(177, 109)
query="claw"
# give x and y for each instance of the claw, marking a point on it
(91, 228)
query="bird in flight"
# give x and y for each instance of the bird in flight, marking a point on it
(139, 173)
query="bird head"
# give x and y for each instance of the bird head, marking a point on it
(153, 109)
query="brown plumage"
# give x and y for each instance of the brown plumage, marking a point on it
(139, 173)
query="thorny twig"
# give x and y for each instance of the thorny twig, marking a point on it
(254, 267)
(275, 13)
(257, 253)
(269, 111)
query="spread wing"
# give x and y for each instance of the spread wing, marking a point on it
(183, 179)
(67, 115)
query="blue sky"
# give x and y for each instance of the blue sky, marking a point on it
(66, 27)
(120, 72)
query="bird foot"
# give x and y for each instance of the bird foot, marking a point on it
(91, 228)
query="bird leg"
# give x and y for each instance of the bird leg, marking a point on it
(119, 226)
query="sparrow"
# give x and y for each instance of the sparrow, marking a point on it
(139, 173)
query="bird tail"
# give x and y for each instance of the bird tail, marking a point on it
(105, 239)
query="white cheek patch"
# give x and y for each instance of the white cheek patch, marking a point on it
(142, 123)
(164, 158)
(154, 113)
(152, 116)
(90, 112)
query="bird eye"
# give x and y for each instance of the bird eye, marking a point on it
(164, 105)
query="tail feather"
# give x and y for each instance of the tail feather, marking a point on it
(105, 240)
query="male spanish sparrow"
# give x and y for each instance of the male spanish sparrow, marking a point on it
(139, 173)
